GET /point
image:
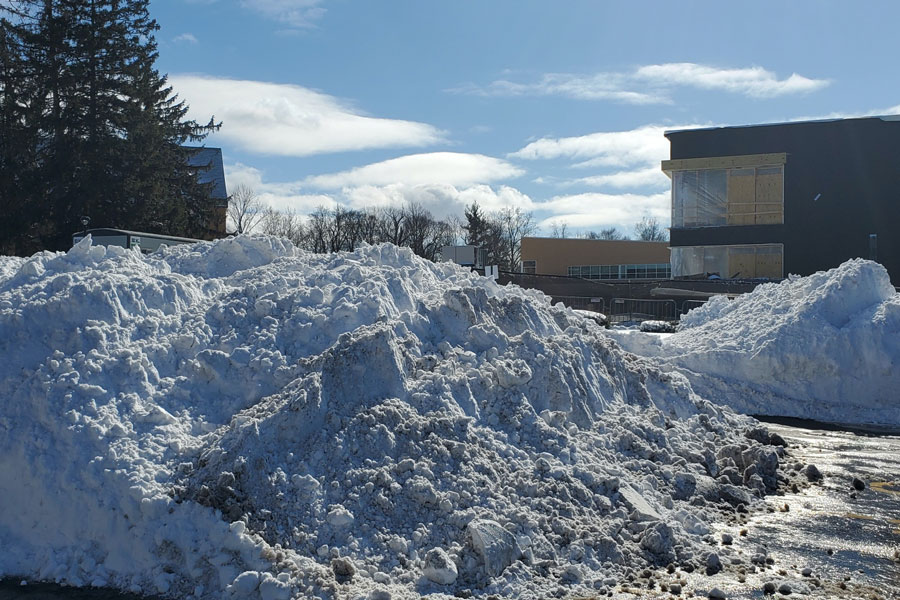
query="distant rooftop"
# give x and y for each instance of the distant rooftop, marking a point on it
(782, 123)
(214, 173)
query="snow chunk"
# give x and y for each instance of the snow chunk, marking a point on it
(339, 516)
(497, 547)
(640, 509)
(439, 568)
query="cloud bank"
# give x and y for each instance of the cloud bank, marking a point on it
(596, 211)
(652, 84)
(450, 168)
(290, 120)
(643, 146)
(754, 82)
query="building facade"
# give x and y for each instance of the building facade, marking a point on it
(764, 201)
(596, 259)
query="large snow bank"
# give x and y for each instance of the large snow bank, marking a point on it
(244, 419)
(823, 347)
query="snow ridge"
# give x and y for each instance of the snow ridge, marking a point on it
(823, 347)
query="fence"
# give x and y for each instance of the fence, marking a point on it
(623, 310)
(582, 303)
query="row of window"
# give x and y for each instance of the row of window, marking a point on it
(651, 271)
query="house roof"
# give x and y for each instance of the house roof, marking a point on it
(213, 170)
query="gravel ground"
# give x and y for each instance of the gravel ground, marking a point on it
(833, 537)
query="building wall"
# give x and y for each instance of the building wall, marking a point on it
(841, 183)
(554, 256)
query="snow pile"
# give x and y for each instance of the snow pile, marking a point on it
(822, 347)
(243, 419)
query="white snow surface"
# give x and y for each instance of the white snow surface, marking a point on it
(823, 347)
(244, 419)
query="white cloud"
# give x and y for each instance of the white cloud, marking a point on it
(893, 111)
(646, 177)
(643, 146)
(298, 14)
(447, 200)
(593, 211)
(603, 86)
(443, 200)
(185, 38)
(451, 168)
(657, 81)
(755, 82)
(283, 197)
(289, 120)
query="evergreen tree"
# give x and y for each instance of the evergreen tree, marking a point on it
(484, 231)
(107, 131)
(476, 225)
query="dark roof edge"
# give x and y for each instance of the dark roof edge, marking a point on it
(781, 123)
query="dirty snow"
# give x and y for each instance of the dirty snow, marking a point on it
(244, 419)
(823, 347)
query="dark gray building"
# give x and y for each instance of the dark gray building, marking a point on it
(769, 200)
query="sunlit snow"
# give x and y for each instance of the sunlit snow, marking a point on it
(244, 419)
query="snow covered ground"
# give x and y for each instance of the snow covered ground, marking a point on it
(823, 347)
(243, 419)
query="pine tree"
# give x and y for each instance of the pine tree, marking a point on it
(484, 231)
(109, 133)
(476, 225)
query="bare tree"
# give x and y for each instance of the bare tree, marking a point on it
(341, 229)
(648, 229)
(607, 233)
(245, 209)
(559, 229)
(418, 225)
(284, 224)
(391, 220)
(514, 224)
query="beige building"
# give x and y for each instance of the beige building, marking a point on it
(596, 259)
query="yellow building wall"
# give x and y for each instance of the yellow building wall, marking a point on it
(554, 256)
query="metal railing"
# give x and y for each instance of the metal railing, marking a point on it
(624, 310)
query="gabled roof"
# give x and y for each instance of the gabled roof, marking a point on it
(213, 170)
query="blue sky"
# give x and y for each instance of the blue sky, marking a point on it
(554, 107)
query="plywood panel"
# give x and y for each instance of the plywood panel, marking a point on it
(741, 197)
(724, 162)
(768, 214)
(741, 264)
(769, 196)
(769, 265)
